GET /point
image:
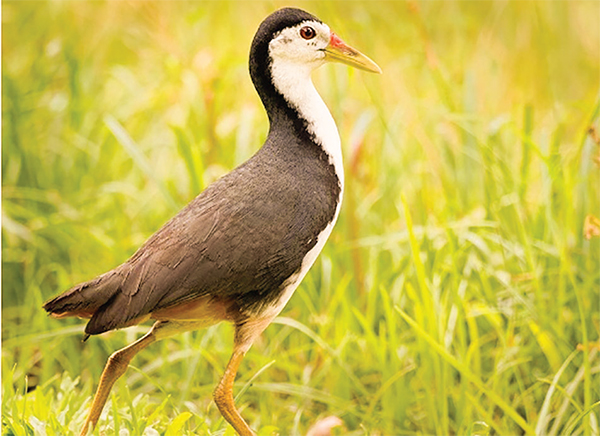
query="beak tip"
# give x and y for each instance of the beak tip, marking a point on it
(371, 67)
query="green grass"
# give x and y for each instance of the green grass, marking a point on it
(457, 294)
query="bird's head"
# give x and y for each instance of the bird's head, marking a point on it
(289, 44)
(311, 43)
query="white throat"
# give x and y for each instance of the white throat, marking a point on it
(294, 83)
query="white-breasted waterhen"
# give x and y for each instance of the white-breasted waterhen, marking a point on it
(238, 251)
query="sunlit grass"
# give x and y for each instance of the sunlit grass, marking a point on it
(457, 294)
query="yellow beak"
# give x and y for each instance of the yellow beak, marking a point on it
(339, 51)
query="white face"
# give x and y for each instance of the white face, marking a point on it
(302, 44)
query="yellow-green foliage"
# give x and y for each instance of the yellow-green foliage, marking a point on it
(457, 294)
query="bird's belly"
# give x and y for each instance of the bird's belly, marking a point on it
(205, 310)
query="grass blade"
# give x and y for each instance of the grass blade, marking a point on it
(466, 372)
(138, 157)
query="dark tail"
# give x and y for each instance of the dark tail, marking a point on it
(86, 298)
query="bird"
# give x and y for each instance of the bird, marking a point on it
(238, 251)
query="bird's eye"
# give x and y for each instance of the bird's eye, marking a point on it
(307, 32)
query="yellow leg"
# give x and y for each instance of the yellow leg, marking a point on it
(245, 334)
(115, 368)
(223, 396)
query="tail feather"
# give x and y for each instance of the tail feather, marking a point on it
(116, 313)
(84, 299)
(116, 299)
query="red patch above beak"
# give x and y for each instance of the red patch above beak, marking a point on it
(336, 41)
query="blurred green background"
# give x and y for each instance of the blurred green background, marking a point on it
(457, 294)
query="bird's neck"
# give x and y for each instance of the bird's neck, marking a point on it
(293, 82)
(297, 105)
